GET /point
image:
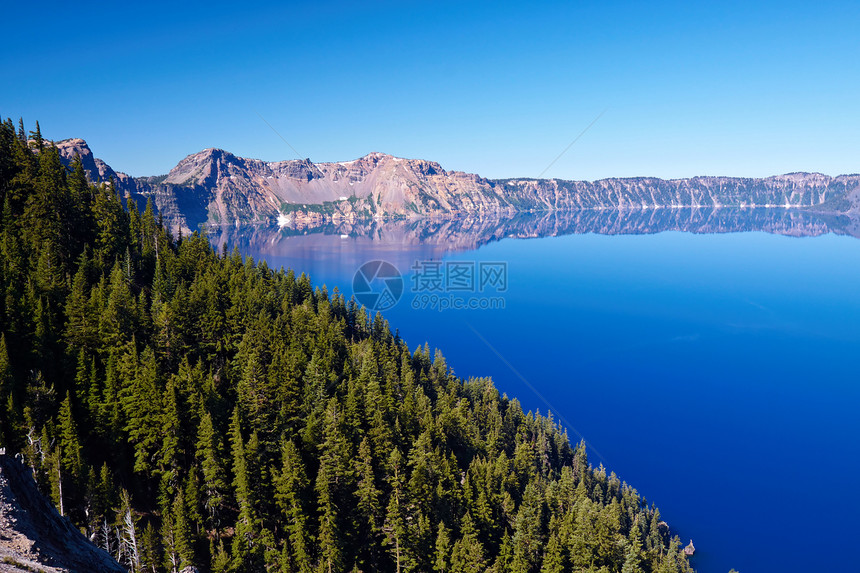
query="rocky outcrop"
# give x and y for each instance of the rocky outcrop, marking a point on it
(216, 188)
(96, 169)
(34, 537)
(690, 549)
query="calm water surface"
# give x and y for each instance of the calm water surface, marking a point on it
(716, 373)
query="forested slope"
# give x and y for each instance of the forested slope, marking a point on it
(188, 407)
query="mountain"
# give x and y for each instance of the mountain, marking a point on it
(34, 537)
(96, 169)
(216, 188)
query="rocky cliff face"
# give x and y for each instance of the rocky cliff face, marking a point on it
(34, 537)
(791, 190)
(96, 169)
(215, 187)
(231, 189)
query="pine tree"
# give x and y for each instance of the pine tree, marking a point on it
(246, 529)
(395, 519)
(103, 495)
(505, 556)
(171, 429)
(468, 553)
(221, 560)
(110, 217)
(141, 404)
(528, 538)
(329, 538)
(82, 195)
(182, 532)
(70, 445)
(36, 137)
(82, 326)
(7, 428)
(209, 455)
(193, 502)
(150, 550)
(554, 559)
(291, 485)
(369, 506)
(70, 470)
(442, 555)
(632, 558)
(117, 324)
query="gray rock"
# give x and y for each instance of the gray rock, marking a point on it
(33, 535)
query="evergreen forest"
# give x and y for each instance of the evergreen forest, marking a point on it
(184, 406)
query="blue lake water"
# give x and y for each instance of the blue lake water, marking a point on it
(719, 374)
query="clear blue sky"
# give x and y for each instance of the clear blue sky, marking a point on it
(747, 88)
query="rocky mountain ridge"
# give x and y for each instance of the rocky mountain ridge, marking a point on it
(216, 188)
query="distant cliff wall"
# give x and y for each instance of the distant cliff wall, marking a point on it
(216, 188)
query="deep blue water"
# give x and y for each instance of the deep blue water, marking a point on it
(718, 374)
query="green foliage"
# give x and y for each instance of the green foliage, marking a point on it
(185, 407)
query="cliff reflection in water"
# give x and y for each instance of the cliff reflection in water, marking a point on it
(336, 247)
